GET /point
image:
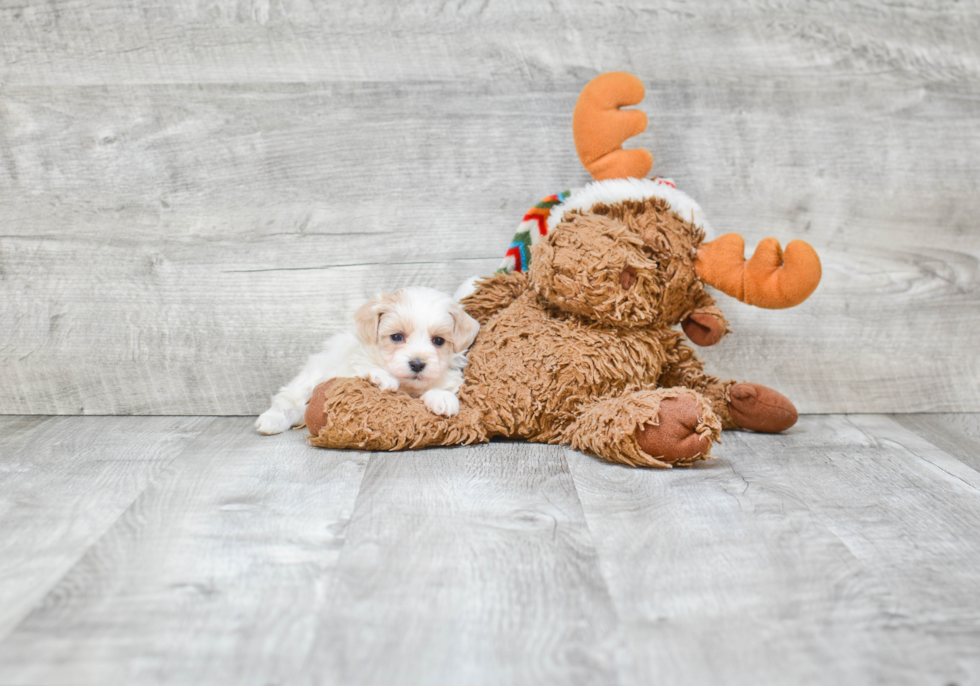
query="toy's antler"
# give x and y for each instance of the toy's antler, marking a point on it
(600, 127)
(770, 278)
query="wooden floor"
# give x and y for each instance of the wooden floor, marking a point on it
(139, 550)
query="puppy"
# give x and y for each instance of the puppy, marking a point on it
(413, 341)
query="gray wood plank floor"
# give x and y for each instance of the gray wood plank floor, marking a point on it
(190, 550)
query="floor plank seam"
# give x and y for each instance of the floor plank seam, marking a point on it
(622, 655)
(930, 463)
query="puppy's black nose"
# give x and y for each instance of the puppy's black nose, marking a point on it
(416, 365)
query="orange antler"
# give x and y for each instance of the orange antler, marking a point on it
(771, 278)
(600, 127)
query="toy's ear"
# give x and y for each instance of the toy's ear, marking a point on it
(368, 317)
(600, 127)
(465, 328)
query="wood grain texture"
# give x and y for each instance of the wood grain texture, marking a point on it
(468, 566)
(196, 194)
(217, 573)
(63, 483)
(220, 41)
(175, 550)
(247, 560)
(839, 552)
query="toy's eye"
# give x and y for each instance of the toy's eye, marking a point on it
(438, 341)
(397, 337)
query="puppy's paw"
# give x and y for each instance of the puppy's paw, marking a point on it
(272, 421)
(441, 402)
(383, 380)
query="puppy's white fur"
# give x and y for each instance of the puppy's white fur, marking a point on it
(413, 340)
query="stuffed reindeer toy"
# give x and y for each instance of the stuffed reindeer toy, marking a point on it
(578, 345)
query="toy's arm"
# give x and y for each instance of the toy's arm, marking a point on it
(493, 294)
(704, 324)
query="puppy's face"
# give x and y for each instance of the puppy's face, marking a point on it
(417, 331)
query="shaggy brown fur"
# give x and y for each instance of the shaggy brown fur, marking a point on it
(580, 351)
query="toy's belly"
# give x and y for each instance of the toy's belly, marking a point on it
(531, 373)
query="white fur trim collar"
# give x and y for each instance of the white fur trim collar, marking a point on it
(612, 191)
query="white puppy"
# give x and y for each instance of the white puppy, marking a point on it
(413, 340)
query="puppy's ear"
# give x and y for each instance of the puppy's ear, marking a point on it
(465, 328)
(368, 316)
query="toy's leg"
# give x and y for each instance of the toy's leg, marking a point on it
(739, 405)
(760, 408)
(353, 413)
(660, 428)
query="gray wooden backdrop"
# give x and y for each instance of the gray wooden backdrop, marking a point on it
(193, 194)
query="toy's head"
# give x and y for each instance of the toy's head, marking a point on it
(624, 264)
(627, 251)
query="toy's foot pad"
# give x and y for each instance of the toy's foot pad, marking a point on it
(315, 416)
(675, 438)
(760, 408)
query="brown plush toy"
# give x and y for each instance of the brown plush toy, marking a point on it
(579, 349)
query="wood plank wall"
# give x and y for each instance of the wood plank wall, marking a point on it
(193, 194)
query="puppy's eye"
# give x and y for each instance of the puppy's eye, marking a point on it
(438, 341)
(398, 337)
